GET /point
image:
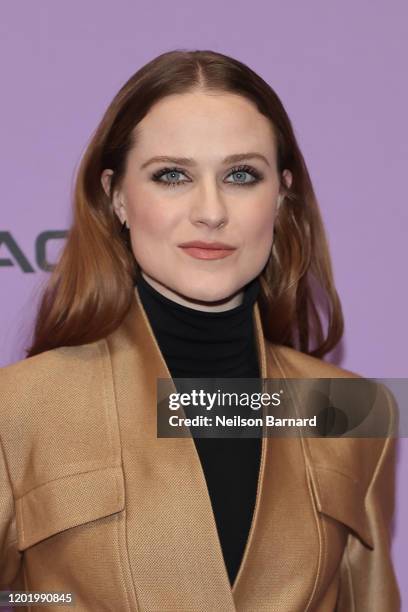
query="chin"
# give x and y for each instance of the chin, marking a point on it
(197, 289)
(208, 294)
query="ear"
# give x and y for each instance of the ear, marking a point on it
(287, 178)
(116, 198)
(287, 181)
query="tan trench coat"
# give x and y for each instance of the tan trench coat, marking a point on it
(93, 503)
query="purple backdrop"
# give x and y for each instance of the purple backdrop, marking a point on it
(340, 72)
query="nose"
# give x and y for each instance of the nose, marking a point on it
(208, 207)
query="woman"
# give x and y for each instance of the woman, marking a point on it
(195, 251)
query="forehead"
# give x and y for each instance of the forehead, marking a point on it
(191, 123)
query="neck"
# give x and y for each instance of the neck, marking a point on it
(215, 306)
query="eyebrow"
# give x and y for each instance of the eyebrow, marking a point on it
(188, 161)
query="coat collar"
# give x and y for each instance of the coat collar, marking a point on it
(178, 540)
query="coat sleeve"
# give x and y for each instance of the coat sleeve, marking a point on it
(10, 557)
(368, 580)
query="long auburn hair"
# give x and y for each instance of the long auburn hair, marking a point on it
(91, 288)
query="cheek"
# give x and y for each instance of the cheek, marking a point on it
(150, 220)
(258, 225)
(151, 224)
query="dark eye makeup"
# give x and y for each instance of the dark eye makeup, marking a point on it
(244, 169)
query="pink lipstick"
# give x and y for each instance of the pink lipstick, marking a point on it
(207, 250)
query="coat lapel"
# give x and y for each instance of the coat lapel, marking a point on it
(172, 539)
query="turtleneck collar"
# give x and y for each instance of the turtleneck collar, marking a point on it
(197, 343)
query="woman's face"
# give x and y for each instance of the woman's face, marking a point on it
(203, 197)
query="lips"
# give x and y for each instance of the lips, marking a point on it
(207, 250)
(207, 245)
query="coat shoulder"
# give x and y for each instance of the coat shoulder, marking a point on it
(296, 364)
(375, 406)
(50, 374)
(50, 362)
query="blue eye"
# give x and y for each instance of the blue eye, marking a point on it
(245, 170)
(240, 171)
(171, 172)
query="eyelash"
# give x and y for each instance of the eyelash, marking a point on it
(248, 169)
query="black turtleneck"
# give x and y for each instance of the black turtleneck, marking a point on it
(201, 344)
